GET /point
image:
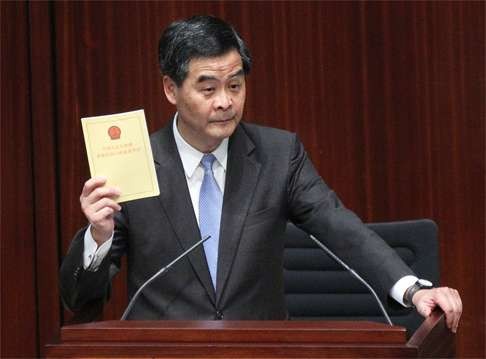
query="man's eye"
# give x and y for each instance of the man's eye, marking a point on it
(208, 90)
(235, 86)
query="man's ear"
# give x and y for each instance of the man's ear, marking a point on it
(170, 89)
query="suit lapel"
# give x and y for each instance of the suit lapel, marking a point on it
(176, 200)
(241, 178)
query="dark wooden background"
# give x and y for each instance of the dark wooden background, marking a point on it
(388, 98)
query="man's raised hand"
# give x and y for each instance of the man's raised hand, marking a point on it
(99, 205)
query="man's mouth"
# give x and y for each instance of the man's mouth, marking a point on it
(223, 120)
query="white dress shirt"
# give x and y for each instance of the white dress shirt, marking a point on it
(191, 161)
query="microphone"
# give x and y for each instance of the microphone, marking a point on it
(160, 272)
(356, 275)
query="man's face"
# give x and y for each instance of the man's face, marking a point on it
(210, 101)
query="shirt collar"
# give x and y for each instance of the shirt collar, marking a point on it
(191, 157)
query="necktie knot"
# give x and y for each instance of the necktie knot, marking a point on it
(207, 162)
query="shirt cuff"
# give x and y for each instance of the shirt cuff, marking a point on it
(399, 288)
(93, 255)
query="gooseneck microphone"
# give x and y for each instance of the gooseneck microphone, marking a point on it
(356, 275)
(159, 273)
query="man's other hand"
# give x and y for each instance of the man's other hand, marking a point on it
(99, 205)
(448, 299)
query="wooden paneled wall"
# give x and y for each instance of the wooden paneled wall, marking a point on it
(388, 98)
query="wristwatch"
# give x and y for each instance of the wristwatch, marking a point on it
(409, 293)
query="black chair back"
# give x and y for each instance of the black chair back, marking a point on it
(317, 288)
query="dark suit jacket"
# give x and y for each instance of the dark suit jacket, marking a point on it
(269, 181)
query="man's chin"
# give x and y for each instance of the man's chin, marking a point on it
(222, 129)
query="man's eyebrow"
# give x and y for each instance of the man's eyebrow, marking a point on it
(203, 78)
(240, 72)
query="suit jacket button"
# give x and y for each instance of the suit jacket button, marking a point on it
(219, 315)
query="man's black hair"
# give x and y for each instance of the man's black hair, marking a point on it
(197, 37)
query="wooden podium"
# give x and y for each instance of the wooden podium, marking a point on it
(252, 339)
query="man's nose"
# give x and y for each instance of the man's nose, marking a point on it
(223, 101)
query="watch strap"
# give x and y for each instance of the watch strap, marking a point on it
(410, 292)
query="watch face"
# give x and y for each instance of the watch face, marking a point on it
(425, 283)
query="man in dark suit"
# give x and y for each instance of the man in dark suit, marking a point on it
(239, 183)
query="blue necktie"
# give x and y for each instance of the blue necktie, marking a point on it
(210, 204)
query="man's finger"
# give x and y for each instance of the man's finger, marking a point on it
(101, 215)
(448, 301)
(424, 309)
(101, 192)
(456, 298)
(105, 202)
(91, 184)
